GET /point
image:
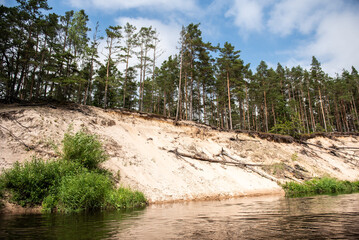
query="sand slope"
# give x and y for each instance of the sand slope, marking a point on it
(140, 157)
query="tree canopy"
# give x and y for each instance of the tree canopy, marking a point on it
(47, 56)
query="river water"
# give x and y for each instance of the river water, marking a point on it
(274, 217)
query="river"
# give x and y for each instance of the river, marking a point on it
(269, 217)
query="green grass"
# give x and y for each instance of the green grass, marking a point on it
(83, 148)
(71, 184)
(31, 182)
(123, 198)
(86, 191)
(317, 186)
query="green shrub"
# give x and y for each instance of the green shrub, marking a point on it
(31, 182)
(75, 184)
(86, 191)
(317, 186)
(2, 189)
(83, 148)
(126, 198)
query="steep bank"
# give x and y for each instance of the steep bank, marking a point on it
(169, 162)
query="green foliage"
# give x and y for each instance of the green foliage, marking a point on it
(317, 186)
(2, 189)
(31, 182)
(292, 128)
(83, 148)
(72, 185)
(126, 198)
(86, 191)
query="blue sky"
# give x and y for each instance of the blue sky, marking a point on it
(285, 31)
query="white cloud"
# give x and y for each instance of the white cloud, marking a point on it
(288, 16)
(168, 34)
(336, 42)
(248, 14)
(329, 29)
(181, 5)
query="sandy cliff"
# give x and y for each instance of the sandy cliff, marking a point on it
(170, 162)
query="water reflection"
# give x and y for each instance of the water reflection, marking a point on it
(320, 217)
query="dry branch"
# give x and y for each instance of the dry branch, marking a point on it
(200, 158)
(333, 151)
(236, 163)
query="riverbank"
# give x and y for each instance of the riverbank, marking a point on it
(171, 162)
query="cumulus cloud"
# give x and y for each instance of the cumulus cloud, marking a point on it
(168, 35)
(247, 14)
(336, 42)
(330, 29)
(287, 16)
(181, 5)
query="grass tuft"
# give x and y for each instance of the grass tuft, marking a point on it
(317, 186)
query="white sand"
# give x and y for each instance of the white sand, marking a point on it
(139, 155)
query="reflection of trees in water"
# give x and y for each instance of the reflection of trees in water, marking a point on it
(92, 225)
(245, 218)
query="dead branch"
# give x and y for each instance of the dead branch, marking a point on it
(236, 163)
(333, 151)
(251, 167)
(200, 158)
(336, 148)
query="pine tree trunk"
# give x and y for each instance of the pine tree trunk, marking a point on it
(107, 73)
(191, 96)
(179, 90)
(125, 79)
(204, 102)
(141, 79)
(321, 106)
(164, 103)
(305, 109)
(274, 118)
(337, 116)
(345, 116)
(249, 120)
(229, 103)
(311, 113)
(355, 109)
(265, 110)
(186, 94)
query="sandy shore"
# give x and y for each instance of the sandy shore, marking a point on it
(141, 150)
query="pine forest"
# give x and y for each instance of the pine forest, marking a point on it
(46, 57)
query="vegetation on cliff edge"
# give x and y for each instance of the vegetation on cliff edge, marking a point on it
(72, 183)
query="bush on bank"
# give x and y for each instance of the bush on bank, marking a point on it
(83, 148)
(72, 183)
(317, 186)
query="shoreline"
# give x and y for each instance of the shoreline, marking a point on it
(13, 209)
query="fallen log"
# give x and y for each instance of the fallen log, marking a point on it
(333, 151)
(200, 158)
(236, 162)
(251, 167)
